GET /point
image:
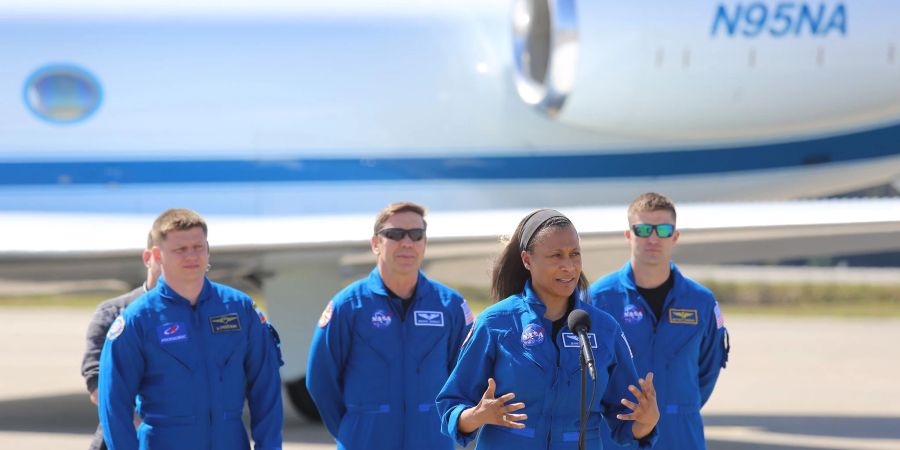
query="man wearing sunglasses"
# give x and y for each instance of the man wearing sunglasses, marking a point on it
(386, 344)
(673, 324)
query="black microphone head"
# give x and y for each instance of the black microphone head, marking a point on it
(579, 318)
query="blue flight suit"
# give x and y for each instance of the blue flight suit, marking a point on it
(511, 343)
(685, 349)
(374, 372)
(187, 369)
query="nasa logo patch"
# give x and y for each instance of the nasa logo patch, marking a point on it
(533, 335)
(117, 327)
(381, 319)
(633, 314)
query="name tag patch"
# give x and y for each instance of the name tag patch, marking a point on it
(683, 316)
(429, 318)
(171, 332)
(571, 340)
(225, 323)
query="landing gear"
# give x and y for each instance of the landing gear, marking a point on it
(301, 401)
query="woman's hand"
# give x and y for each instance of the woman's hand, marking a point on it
(644, 413)
(493, 411)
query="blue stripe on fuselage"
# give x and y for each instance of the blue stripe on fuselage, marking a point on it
(845, 148)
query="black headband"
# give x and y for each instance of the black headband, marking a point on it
(534, 223)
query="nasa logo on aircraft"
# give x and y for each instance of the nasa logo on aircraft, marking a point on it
(429, 318)
(533, 335)
(633, 313)
(62, 94)
(381, 319)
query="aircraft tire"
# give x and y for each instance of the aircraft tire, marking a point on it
(301, 400)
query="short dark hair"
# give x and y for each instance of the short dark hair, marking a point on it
(396, 208)
(651, 201)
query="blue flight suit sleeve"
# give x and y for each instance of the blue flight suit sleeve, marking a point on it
(261, 365)
(467, 382)
(327, 359)
(713, 355)
(621, 376)
(121, 370)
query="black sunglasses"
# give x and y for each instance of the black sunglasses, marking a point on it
(663, 230)
(397, 234)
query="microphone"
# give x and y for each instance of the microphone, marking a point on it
(580, 322)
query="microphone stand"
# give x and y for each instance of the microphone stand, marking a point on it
(582, 419)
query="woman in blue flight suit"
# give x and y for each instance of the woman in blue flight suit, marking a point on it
(522, 347)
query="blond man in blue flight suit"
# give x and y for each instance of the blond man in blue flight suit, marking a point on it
(187, 354)
(673, 324)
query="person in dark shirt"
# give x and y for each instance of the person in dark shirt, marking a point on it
(674, 324)
(103, 317)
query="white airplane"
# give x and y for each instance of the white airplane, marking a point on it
(289, 124)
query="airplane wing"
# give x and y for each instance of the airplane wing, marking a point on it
(61, 246)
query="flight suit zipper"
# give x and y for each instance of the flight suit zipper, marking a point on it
(201, 344)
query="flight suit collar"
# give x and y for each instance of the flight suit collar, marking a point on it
(626, 277)
(376, 284)
(537, 305)
(168, 294)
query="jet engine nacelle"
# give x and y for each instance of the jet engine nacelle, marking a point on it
(658, 71)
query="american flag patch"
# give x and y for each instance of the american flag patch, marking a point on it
(467, 312)
(720, 319)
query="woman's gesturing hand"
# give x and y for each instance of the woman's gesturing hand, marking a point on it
(493, 411)
(644, 413)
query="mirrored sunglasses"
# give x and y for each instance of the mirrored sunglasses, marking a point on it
(397, 234)
(663, 230)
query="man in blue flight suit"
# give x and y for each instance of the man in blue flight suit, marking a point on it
(186, 354)
(673, 324)
(386, 344)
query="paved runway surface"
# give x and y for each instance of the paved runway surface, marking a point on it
(791, 383)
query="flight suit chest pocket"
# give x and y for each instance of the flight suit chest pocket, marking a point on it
(428, 344)
(519, 358)
(175, 346)
(373, 343)
(229, 349)
(682, 342)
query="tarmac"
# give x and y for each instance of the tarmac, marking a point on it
(791, 383)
